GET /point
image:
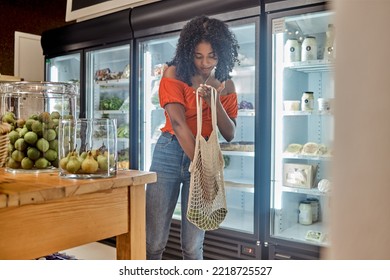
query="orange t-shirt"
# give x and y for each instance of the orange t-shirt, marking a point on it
(175, 91)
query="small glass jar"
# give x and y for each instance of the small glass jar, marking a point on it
(88, 148)
(34, 110)
(309, 48)
(307, 101)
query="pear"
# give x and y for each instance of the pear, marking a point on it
(73, 164)
(89, 165)
(103, 162)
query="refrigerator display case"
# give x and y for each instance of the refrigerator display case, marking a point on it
(107, 91)
(96, 53)
(239, 154)
(302, 138)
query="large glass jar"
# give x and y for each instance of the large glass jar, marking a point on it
(88, 148)
(34, 110)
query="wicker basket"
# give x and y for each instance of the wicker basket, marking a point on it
(3, 149)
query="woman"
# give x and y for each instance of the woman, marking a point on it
(206, 53)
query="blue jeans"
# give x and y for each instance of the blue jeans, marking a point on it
(171, 165)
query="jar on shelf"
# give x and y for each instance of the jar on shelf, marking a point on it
(329, 50)
(87, 148)
(292, 51)
(309, 48)
(315, 208)
(305, 216)
(34, 110)
(307, 101)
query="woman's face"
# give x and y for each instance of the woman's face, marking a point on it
(205, 59)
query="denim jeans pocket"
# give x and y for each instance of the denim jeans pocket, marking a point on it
(164, 140)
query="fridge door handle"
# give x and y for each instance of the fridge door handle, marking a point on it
(282, 256)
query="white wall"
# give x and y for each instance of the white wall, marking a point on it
(28, 59)
(360, 225)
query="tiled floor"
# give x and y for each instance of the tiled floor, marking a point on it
(92, 251)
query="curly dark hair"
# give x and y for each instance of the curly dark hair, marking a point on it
(213, 31)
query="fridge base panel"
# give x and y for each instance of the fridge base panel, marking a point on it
(217, 246)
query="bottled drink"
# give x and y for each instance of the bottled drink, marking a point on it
(309, 48)
(329, 50)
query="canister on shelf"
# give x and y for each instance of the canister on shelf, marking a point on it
(315, 208)
(305, 216)
(309, 48)
(292, 50)
(307, 101)
(329, 50)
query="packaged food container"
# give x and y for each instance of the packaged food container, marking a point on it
(305, 216)
(329, 50)
(309, 48)
(34, 110)
(291, 105)
(87, 148)
(292, 51)
(315, 208)
(307, 101)
(324, 104)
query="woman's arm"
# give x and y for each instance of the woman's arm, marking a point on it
(226, 125)
(176, 114)
(183, 133)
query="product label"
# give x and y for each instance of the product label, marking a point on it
(278, 26)
(307, 104)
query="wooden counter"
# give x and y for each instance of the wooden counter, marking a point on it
(42, 213)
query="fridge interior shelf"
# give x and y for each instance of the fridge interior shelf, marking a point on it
(299, 232)
(312, 191)
(246, 113)
(243, 186)
(311, 66)
(113, 82)
(238, 153)
(112, 112)
(298, 156)
(307, 113)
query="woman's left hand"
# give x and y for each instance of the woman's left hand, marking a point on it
(205, 93)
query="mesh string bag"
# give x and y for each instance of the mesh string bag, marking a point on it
(207, 201)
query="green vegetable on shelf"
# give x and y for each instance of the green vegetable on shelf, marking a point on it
(123, 131)
(113, 103)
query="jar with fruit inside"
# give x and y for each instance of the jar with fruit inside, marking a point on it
(88, 148)
(33, 110)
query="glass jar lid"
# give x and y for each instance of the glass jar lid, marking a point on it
(45, 88)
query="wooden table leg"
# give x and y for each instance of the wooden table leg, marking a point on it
(132, 245)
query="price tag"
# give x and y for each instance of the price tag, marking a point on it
(316, 236)
(278, 25)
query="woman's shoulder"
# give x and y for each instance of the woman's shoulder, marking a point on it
(228, 87)
(170, 72)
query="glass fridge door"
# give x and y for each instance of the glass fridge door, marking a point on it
(303, 124)
(64, 69)
(107, 92)
(154, 53)
(238, 155)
